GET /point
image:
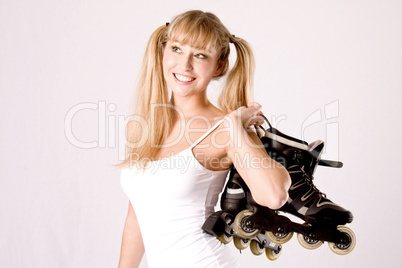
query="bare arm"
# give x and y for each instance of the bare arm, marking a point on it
(132, 246)
(268, 180)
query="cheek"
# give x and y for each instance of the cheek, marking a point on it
(166, 65)
(209, 70)
(167, 58)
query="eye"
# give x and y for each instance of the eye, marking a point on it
(176, 49)
(201, 56)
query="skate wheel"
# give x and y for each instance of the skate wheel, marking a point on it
(255, 248)
(241, 243)
(243, 227)
(272, 254)
(279, 238)
(346, 246)
(225, 239)
(308, 242)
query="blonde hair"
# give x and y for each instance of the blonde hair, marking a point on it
(199, 29)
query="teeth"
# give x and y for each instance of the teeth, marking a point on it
(183, 78)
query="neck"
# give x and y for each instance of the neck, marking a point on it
(191, 106)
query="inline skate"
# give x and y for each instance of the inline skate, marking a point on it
(223, 225)
(258, 226)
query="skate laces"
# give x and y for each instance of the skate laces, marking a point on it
(309, 181)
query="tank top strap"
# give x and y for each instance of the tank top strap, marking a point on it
(207, 133)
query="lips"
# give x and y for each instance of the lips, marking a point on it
(183, 78)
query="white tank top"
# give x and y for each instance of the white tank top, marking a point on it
(172, 199)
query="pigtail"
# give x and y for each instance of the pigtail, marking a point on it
(151, 104)
(151, 86)
(238, 90)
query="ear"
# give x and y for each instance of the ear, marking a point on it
(219, 68)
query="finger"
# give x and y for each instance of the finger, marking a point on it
(255, 105)
(241, 108)
(257, 120)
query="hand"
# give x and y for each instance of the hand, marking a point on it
(248, 116)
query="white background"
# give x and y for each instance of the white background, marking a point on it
(62, 206)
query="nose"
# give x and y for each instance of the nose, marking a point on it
(187, 62)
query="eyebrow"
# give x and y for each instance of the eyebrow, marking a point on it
(196, 47)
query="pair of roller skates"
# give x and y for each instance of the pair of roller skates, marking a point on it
(264, 230)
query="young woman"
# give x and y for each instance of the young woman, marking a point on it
(181, 148)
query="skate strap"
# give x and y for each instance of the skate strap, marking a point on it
(283, 140)
(266, 120)
(330, 163)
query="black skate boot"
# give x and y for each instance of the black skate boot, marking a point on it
(322, 217)
(301, 160)
(251, 222)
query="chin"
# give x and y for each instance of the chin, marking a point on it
(181, 93)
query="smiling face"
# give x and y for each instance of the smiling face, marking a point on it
(188, 70)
